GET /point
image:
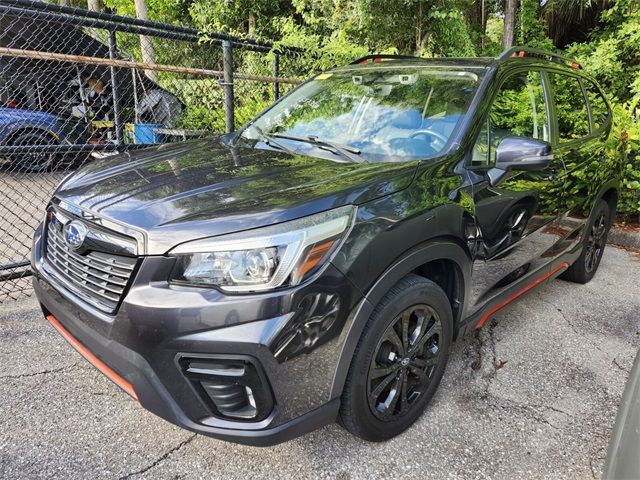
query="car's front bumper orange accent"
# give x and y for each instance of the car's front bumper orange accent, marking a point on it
(95, 361)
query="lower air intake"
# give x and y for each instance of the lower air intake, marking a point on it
(233, 388)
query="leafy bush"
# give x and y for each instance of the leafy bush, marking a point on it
(625, 143)
(611, 56)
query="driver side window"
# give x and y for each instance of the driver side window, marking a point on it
(519, 109)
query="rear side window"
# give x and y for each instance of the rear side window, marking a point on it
(597, 105)
(571, 108)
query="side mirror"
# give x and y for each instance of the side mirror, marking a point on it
(520, 153)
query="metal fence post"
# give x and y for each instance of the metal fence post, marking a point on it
(227, 83)
(276, 73)
(117, 121)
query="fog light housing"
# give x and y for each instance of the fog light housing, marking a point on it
(231, 387)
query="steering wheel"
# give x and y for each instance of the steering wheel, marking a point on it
(438, 136)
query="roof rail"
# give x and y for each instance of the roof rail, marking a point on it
(379, 57)
(522, 52)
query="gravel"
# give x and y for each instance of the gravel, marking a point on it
(532, 395)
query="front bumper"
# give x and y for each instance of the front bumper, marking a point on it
(294, 336)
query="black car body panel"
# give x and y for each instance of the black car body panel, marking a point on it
(485, 235)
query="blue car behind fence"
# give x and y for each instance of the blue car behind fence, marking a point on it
(22, 127)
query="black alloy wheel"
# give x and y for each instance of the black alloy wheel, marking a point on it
(404, 361)
(399, 360)
(594, 241)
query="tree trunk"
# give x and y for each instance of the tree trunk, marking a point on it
(146, 47)
(419, 41)
(94, 5)
(478, 20)
(64, 3)
(252, 24)
(510, 10)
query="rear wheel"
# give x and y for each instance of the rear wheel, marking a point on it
(399, 360)
(594, 242)
(33, 161)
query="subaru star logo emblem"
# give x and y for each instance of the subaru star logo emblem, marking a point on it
(74, 234)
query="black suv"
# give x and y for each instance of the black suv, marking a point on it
(317, 264)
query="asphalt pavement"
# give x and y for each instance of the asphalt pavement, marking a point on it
(532, 395)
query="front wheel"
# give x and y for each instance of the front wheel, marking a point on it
(593, 244)
(399, 360)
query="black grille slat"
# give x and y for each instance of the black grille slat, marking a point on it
(111, 301)
(59, 243)
(97, 278)
(87, 268)
(73, 272)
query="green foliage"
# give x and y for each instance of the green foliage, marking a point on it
(612, 56)
(204, 102)
(172, 11)
(624, 143)
(531, 26)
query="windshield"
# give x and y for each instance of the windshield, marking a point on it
(382, 114)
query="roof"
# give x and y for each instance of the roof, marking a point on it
(517, 53)
(463, 62)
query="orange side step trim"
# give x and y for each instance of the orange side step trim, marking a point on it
(91, 358)
(504, 303)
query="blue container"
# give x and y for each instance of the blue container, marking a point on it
(144, 133)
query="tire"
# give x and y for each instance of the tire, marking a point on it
(594, 242)
(379, 416)
(32, 162)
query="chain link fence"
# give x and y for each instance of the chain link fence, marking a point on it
(77, 86)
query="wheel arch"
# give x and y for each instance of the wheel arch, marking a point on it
(18, 130)
(424, 260)
(609, 192)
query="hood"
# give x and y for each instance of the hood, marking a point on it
(180, 192)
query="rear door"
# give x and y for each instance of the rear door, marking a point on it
(582, 121)
(516, 218)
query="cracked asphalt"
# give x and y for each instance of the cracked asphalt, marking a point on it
(532, 395)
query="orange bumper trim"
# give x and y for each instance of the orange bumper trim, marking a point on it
(91, 358)
(504, 303)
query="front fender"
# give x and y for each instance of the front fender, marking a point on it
(438, 249)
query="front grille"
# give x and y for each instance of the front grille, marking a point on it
(97, 278)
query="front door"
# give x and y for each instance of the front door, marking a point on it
(516, 218)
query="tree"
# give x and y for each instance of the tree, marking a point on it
(418, 27)
(476, 13)
(571, 21)
(242, 17)
(510, 13)
(146, 47)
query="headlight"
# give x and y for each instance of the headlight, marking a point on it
(264, 258)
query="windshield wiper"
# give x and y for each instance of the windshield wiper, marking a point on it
(350, 153)
(268, 139)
